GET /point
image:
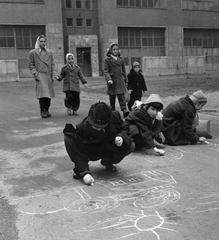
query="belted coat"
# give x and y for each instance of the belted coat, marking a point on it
(115, 70)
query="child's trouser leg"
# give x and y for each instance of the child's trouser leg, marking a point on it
(79, 158)
(75, 100)
(68, 99)
(112, 99)
(130, 103)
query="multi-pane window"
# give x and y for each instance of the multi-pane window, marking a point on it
(79, 22)
(7, 36)
(26, 35)
(89, 22)
(69, 22)
(152, 40)
(199, 41)
(24, 1)
(201, 5)
(20, 36)
(162, 4)
(207, 38)
(68, 3)
(78, 3)
(87, 4)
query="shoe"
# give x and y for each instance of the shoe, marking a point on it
(69, 111)
(43, 114)
(75, 113)
(48, 114)
(109, 166)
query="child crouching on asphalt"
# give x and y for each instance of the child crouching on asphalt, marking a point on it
(144, 124)
(100, 136)
(70, 74)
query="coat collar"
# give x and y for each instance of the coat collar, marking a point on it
(44, 58)
(118, 61)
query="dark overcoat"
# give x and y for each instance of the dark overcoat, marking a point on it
(71, 76)
(43, 68)
(115, 70)
(140, 122)
(136, 83)
(178, 122)
(92, 144)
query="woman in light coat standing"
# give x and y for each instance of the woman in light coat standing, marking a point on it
(42, 67)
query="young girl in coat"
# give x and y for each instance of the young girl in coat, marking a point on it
(144, 125)
(114, 70)
(136, 84)
(70, 74)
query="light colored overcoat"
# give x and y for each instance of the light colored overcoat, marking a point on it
(42, 67)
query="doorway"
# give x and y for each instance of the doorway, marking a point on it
(84, 60)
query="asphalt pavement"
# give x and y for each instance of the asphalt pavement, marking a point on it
(171, 197)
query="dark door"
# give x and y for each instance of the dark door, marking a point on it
(84, 60)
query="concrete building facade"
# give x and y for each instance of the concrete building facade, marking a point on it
(21, 21)
(165, 36)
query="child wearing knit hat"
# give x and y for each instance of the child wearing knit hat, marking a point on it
(180, 119)
(136, 84)
(144, 125)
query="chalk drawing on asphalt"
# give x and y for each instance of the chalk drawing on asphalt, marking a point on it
(202, 202)
(138, 221)
(146, 190)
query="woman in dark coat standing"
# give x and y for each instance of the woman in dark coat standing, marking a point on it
(115, 74)
(136, 84)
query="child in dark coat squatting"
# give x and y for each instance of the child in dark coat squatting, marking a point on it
(70, 74)
(101, 135)
(144, 125)
(180, 120)
(115, 74)
(136, 84)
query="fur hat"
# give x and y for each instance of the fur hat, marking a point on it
(136, 64)
(100, 115)
(200, 96)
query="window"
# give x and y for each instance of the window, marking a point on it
(206, 38)
(203, 5)
(151, 40)
(87, 4)
(68, 4)
(89, 22)
(78, 3)
(79, 22)
(69, 22)
(162, 4)
(6, 37)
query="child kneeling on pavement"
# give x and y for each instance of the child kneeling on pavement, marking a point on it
(144, 124)
(101, 135)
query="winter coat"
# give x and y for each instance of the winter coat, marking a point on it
(115, 70)
(136, 83)
(43, 69)
(140, 122)
(178, 122)
(70, 76)
(96, 143)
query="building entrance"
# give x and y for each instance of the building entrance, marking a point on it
(84, 60)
